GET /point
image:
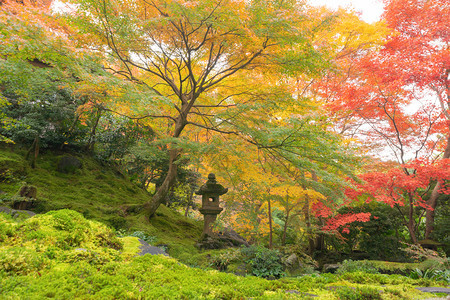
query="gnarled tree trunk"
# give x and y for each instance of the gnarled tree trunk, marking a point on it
(432, 202)
(168, 182)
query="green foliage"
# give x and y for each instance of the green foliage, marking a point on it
(61, 254)
(441, 275)
(22, 261)
(263, 262)
(145, 237)
(375, 239)
(442, 223)
(357, 266)
(360, 293)
(50, 117)
(222, 260)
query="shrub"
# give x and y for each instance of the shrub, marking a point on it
(357, 266)
(21, 261)
(263, 262)
(360, 293)
(221, 261)
(441, 275)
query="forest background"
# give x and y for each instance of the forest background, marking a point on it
(331, 133)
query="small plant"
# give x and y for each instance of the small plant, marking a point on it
(222, 260)
(145, 237)
(421, 254)
(6, 176)
(263, 262)
(442, 275)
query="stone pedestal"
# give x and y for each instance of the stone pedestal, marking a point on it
(209, 216)
(210, 192)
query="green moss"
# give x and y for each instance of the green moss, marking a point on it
(104, 194)
(63, 255)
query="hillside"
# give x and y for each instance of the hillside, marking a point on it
(98, 192)
(63, 255)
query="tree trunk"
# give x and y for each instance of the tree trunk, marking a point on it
(432, 202)
(34, 148)
(283, 240)
(91, 141)
(168, 182)
(189, 202)
(269, 207)
(410, 224)
(309, 233)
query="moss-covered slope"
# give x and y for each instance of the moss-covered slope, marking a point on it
(99, 192)
(62, 255)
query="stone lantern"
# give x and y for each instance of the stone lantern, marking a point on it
(210, 192)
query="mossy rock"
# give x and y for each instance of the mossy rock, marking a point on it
(68, 164)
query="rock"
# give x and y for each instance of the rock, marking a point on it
(146, 248)
(24, 204)
(68, 164)
(210, 242)
(28, 191)
(232, 238)
(434, 290)
(6, 209)
(292, 260)
(15, 213)
(331, 268)
(225, 239)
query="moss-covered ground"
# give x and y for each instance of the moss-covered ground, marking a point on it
(73, 252)
(99, 192)
(63, 255)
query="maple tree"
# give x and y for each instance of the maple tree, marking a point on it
(421, 45)
(197, 59)
(382, 96)
(404, 188)
(38, 65)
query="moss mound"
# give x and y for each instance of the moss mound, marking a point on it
(63, 236)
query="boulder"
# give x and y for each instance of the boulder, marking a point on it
(232, 238)
(225, 239)
(28, 191)
(331, 268)
(16, 213)
(68, 164)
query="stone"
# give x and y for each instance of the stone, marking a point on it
(434, 290)
(226, 239)
(68, 164)
(16, 213)
(331, 268)
(146, 248)
(232, 238)
(292, 261)
(27, 200)
(28, 191)
(210, 193)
